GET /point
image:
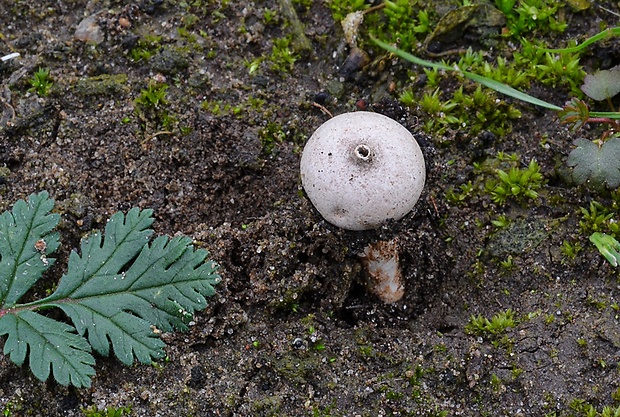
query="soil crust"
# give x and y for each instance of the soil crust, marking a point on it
(293, 330)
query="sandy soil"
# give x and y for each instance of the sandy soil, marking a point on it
(293, 330)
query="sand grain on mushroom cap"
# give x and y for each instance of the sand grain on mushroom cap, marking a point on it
(361, 169)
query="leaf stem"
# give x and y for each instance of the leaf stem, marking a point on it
(43, 304)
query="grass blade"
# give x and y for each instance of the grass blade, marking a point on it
(601, 35)
(487, 82)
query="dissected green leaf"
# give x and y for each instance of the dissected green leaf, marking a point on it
(51, 344)
(607, 246)
(125, 237)
(120, 292)
(598, 165)
(132, 287)
(602, 84)
(21, 263)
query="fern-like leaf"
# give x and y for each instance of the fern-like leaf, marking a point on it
(121, 292)
(124, 292)
(25, 240)
(125, 237)
(52, 345)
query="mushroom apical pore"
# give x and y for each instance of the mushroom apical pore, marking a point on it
(361, 169)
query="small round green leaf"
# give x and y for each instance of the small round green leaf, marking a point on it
(602, 84)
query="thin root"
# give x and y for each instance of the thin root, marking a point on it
(154, 135)
(323, 109)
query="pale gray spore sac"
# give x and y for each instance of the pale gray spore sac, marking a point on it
(360, 169)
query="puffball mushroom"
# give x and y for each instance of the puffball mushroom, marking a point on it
(359, 170)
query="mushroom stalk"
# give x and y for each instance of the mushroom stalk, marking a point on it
(385, 280)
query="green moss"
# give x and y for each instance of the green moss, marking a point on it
(470, 111)
(519, 184)
(599, 218)
(464, 193)
(366, 351)
(521, 236)
(496, 383)
(298, 367)
(501, 180)
(270, 136)
(532, 16)
(599, 304)
(107, 412)
(151, 108)
(41, 82)
(585, 409)
(496, 325)
(189, 20)
(501, 221)
(270, 16)
(102, 85)
(10, 407)
(221, 108)
(146, 47)
(561, 70)
(402, 22)
(569, 251)
(4, 171)
(282, 57)
(269, 406)
(152, 97)
(328, 411)
(341, 8)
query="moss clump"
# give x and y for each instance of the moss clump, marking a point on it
(518, 237)
(298, 368)
(102, 85)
